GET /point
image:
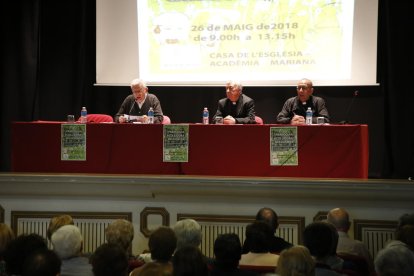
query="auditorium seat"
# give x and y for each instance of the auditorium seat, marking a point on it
(98, 118)
(258, 120)
(259, 269)
(166, 120)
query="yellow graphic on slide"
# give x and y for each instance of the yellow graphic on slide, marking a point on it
(261, 38)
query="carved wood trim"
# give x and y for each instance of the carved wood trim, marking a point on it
(161, 211)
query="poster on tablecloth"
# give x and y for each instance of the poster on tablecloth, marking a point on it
(283, 146)
(73, 142)
(175, 143)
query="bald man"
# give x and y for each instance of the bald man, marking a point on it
(340, 219)
(294, 109)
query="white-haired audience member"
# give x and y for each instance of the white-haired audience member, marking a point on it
(396, 259)
(67, 242)
(188, 232)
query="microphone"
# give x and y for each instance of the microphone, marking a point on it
(132, 106)
(129, 113)
(356, 93)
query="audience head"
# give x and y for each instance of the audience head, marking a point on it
(120, 232)
(139, 89)
(227, 250)
(109, 260)
(67, 241)
(6, 236)
(258, 235)
(297, 261)
(321, 238)
(57, 222)
(19, 249)
(304, 89)
(188, 232)
(233, 90)
(339, 218)
(43, 262)
(406, 235)
(189, 260)
(162, 244)
(268, 215)
(406, 219)
(396, 259)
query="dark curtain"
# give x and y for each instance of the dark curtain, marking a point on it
(48, 71)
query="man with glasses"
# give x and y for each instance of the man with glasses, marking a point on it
(294, 109)
(138, 104)
(236, 108)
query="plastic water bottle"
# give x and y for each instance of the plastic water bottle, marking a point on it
(205, 116)
(84, 115)
(309, 115)
(151, 116)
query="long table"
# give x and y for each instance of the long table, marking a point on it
(324, 151)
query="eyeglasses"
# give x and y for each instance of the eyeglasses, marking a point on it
(303, 87)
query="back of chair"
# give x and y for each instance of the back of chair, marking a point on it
(99, 118)
(259, 269)
(258, 120)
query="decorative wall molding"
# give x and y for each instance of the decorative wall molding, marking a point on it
(206, 189)
(165, 216)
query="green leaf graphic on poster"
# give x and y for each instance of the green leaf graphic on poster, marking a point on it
(175, 143)
(73, 142)
(283, 146)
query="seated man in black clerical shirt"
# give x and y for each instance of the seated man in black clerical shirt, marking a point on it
(236, 108)
(138, 104)
(294, 109)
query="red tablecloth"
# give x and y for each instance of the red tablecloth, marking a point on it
(324, 151)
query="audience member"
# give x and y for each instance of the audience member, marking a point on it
(236, 108)
(67, 242)
(188, 232)
(57, 222)
(162, 244)
(139, 103)
(155, 269)
(227, 251)
(109, 260)
(321, 239)
(43, 262)
(258, 236)
(294, 109)
(405, 234)
(339, 218)
(188, 261)
(121, 232)
(405, 230)
(295, 260)
(6, 236)
(20, 249)
(396, 259)
(276, 244)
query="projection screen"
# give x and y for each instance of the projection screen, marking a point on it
(258, 42)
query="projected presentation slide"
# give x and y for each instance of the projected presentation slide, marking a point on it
(253, 40)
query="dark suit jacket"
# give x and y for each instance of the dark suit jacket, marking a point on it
(293, 106)
(242, 111)
(130, 107)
